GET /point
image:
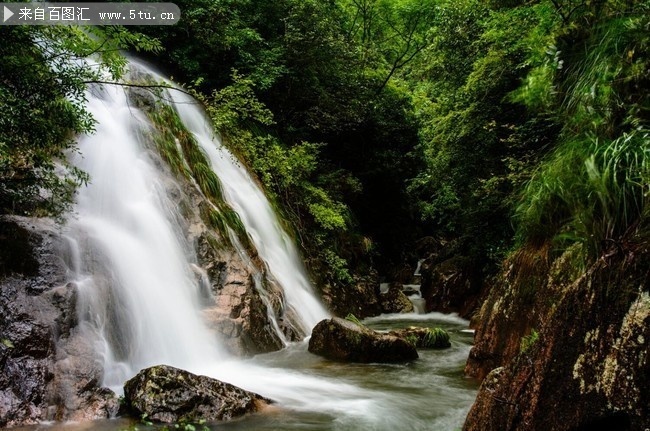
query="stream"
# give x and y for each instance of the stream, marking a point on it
(430, 393)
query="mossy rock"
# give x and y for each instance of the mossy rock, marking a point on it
(171, 395)
(342, 340)
(424, 338)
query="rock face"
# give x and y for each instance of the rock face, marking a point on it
(564, 349)
(235, 308)
(167, 394)
(364, 299)
(341, 340)
(451, 285)
(48, 369)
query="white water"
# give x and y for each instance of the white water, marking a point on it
(243, 194)
(142, 294)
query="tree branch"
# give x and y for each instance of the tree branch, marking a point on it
(148, 86)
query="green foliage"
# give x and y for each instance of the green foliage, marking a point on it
(289, 174)
(592, 189)
(477, 146)
(371, 123)
(43, 76)
(528, 341)
(412, 339)
(589, 191)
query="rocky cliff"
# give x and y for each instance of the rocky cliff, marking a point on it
(563, 346)
(48, 367)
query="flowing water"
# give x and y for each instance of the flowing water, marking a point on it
(314, 394)
(274, 245)
(140, 300)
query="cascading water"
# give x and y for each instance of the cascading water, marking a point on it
(134, 275)
(134, 269)
(274, 245)
(140, 299)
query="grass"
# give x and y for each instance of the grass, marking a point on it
(352, 318)
(591, 191)
(593, 188)
(436, 338)
(187, 159)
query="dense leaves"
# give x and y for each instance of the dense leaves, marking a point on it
(373, 123)
(43, 76)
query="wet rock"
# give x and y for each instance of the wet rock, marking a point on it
(341, 340)
(237, 310)
(360, 298)
(38, 329)
(170, 395)
(395, 301)
(578, 359)
(451, 285)
(424, 338)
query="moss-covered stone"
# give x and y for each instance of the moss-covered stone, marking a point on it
(170, 395)
(342, 340)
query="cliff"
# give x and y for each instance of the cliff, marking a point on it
(564, 347)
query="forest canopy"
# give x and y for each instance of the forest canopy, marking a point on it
(374, 123)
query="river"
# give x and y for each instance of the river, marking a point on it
(430, 393)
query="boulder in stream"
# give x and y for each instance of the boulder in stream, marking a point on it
(171, 395)
(343, 340)
(395, 301)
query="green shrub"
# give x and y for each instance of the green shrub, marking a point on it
(436, 338)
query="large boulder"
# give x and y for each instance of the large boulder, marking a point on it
(170, 395)
(342, 340)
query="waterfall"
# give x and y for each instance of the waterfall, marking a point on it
(134, 268)
(134, 276)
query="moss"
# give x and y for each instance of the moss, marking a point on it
(187, 160)
(528, 341)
